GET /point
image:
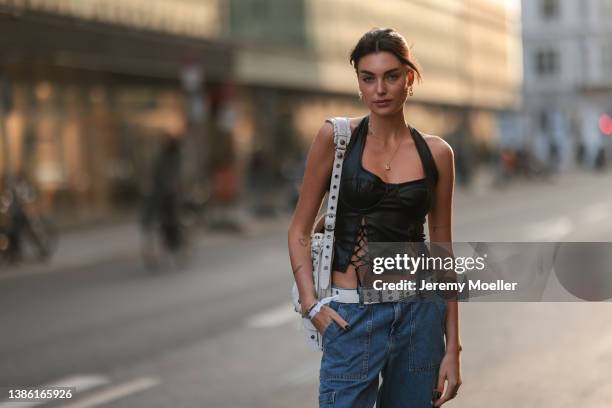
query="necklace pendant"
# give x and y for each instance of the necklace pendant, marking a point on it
(387, 166)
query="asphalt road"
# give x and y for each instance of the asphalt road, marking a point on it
(222, 333)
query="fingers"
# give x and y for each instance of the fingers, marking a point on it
(322, 320)
(338, 319)
(450, 392)
(437, 392)
(327, 316)
(320, 326)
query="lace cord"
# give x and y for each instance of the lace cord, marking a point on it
(317, 307)
(360, 258)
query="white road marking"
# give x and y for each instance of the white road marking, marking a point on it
(115, 393)
(595, 213)
(80, 382)
(274, 317)
(550, 230)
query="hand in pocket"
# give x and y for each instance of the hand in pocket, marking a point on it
(327, 316)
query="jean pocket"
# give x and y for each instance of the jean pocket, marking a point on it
(345, 353)
(426, 335)
(327, 399)
(333, 328)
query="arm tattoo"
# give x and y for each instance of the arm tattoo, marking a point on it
(297, 269)
(303, 242)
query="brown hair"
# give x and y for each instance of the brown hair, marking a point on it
(385, 39)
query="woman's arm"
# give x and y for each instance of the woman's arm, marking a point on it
(316, 178)
(440, 220)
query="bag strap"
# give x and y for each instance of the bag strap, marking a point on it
(342, 136)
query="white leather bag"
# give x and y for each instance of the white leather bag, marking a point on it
(322, 243)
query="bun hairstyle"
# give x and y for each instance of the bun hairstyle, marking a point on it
(385, 39)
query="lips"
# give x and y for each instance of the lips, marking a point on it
(383, 102)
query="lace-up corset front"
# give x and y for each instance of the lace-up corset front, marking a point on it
(371, 210)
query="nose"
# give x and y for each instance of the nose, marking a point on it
(380, 87)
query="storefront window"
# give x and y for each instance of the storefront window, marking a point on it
(86, 148)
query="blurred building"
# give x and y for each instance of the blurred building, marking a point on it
(95, 84)
(568, 77)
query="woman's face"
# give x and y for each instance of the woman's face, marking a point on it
(383, 82)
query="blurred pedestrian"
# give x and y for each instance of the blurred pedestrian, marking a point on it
(24, 226)
(464, 161)
(600, 159)
(554, 156)
(162, 201)
(261, 182)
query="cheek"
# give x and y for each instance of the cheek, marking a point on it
(401, 88)
(368, 91)
(366, 87)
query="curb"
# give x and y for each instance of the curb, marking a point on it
(130, 251)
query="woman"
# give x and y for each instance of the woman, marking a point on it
(392, 178)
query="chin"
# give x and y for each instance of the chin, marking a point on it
(389, 110)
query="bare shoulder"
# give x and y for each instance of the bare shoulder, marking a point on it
(355, 122)
(440, 149)
(326, 133)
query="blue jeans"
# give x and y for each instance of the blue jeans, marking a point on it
(403, 342)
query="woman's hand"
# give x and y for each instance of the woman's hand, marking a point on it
(450, 372)
(327, 316)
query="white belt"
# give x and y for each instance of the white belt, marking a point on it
(371, 296)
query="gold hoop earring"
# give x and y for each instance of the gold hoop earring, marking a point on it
(410, 91)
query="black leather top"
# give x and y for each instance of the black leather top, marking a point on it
(390, 212)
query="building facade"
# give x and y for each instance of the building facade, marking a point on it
(469, 51)
(96, 83)
(93, 88)
(568, 77)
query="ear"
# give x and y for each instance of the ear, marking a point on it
(410, 76)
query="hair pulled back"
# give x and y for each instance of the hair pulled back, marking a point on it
(385, 39)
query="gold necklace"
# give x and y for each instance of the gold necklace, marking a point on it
(388, 163)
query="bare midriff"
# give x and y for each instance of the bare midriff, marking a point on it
(350, 280)
(346, 279)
